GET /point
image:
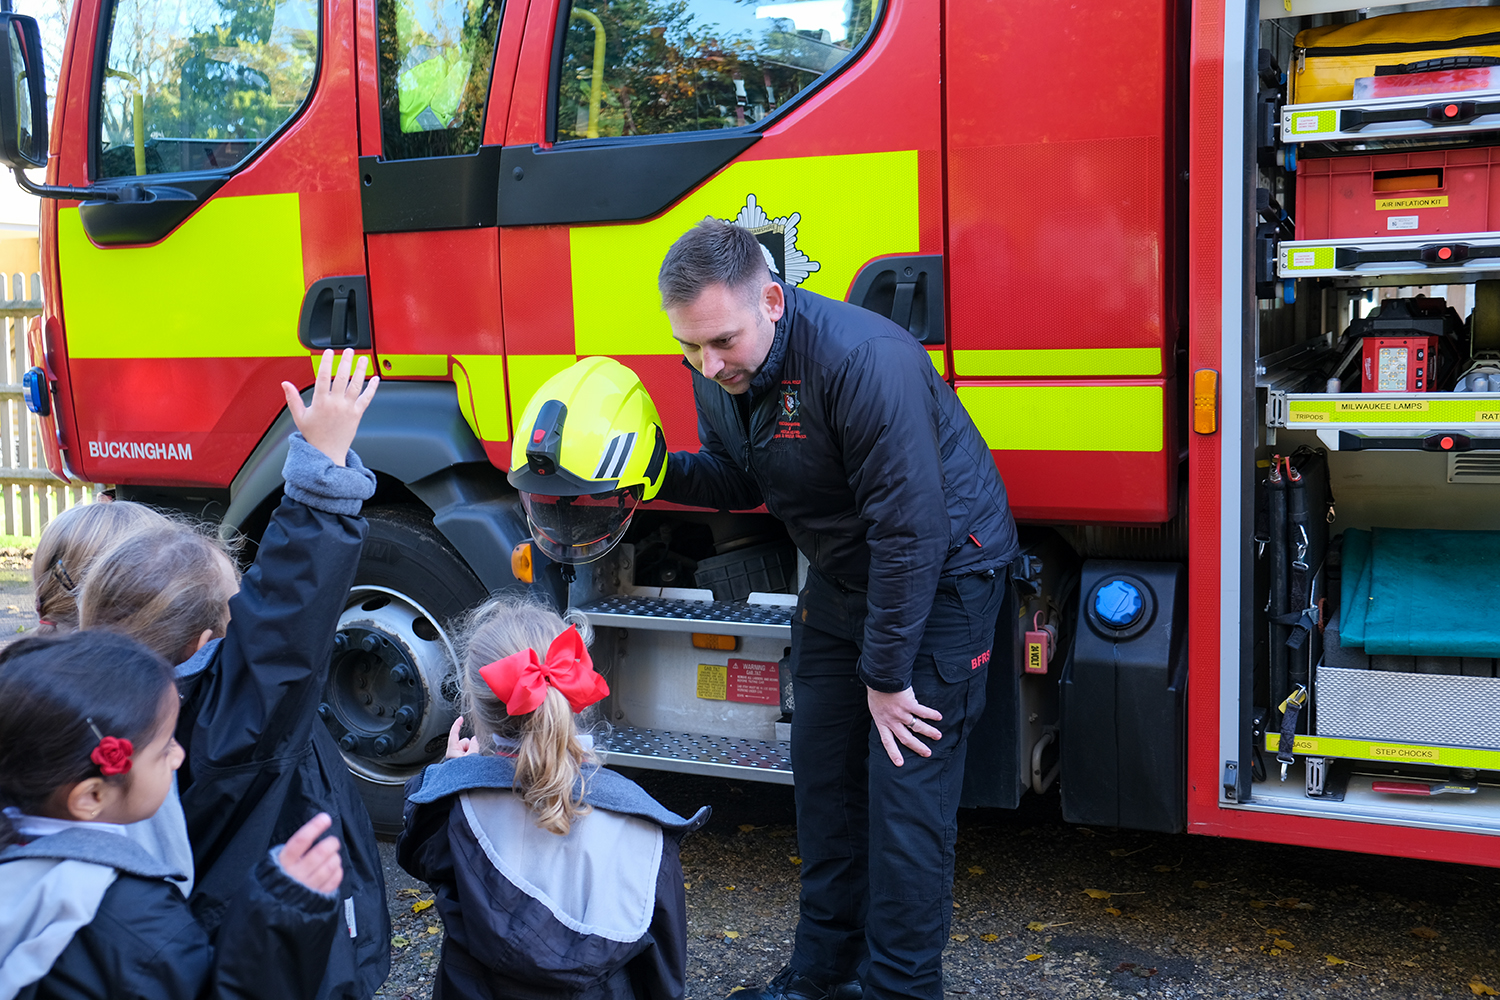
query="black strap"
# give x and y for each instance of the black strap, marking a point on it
(1290, 709)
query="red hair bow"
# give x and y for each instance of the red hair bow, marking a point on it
(521, 680)
(113, 755)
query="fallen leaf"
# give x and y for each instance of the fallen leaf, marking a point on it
(1098, 893)
(426, 954)
(731, 934)
(1124, 966)
(399, 942)
(989, 938)
(421, 905)
(433, 928)
(1283, 944)
(729, 888)
(413, 893)
(1146, 973)
(1037, 925)
(1258, 904)
(975, 870)
(687, 885)
(1480, 990)
(1164, 868)
(1334, 960)
(1200, 884)
(1289, 903)
(1276, 951)
(1033, 957)
(959, 937)
(1275, 932)
(794, 859)
(747, 827)
(1113, 911)
(1426, 933)
(1409, 964)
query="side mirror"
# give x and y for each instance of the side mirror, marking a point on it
(23, 96)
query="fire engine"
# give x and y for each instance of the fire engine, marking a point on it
(1214, 281)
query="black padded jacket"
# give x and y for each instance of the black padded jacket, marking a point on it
(853, 439)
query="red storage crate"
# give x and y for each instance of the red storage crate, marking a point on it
(1399, 194)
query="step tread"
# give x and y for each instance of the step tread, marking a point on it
(662, 750)
(730, 612)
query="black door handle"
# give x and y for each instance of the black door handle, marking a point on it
(908, 289)
(336, 314)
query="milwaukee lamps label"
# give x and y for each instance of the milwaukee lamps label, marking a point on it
(152, 451)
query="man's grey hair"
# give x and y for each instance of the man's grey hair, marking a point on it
(712, 253)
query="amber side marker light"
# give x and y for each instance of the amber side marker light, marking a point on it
(1205, 401)
(520, 562)
(724, 643)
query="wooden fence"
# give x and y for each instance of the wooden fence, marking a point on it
(32, 495)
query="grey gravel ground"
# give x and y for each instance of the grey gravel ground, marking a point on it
(1186, 916)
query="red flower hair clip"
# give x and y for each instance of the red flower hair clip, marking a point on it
(112, 754)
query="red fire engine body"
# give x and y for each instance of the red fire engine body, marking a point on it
(1059, 200)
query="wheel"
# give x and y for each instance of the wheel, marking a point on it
(392, 689)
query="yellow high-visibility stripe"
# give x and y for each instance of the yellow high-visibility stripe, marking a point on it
(1067, 417)
(529, 371)
(1061, 362)
(480, 381)
(410, 365)
(842, 211)
(226, 284)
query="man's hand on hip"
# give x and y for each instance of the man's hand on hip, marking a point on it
(898, 718)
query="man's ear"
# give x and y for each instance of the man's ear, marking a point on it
(773, 298)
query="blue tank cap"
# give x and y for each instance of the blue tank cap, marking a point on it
(1118, 603)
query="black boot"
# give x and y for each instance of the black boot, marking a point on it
(790, 985)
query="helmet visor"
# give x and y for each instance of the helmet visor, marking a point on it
(580, 529)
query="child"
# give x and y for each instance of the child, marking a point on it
(252, 659)
(70, 543)
(86, 745)
(553, 876)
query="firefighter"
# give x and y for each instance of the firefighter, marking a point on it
(835, 419)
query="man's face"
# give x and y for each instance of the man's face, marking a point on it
(726, 334)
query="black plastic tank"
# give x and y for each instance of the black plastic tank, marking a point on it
(1124, 698)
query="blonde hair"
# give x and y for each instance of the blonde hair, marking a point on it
(69, 546)
(549, 755)
(163, 587)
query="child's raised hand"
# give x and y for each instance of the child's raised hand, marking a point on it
(460, 746)
(316, 865)
(331, 419)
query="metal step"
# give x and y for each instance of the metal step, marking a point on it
(718, 756)
(667, 615)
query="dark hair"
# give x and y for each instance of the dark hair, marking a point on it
(50, 686)
(712, 253)
(161, 587)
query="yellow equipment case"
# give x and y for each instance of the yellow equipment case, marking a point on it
(1328, 60)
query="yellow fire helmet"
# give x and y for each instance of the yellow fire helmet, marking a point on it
(589, 450)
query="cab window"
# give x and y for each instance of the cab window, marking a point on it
(648, 67)
(199, 84)
(436, 57)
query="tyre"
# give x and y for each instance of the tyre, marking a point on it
(391, 689)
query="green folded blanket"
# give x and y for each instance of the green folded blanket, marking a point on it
(1420, 592)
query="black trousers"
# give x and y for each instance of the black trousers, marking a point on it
(877, 840)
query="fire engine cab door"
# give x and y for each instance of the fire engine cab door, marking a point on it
(181, 317)
(814, 123)
(432, 74)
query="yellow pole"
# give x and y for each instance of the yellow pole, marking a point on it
(596, 88)
(138, 108)
(138, 105)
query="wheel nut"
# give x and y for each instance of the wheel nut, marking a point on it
(348, 742)
(384, 745)
(325, 710)
(405, 716)
(340, 642)
(370, 643)
(400, 674)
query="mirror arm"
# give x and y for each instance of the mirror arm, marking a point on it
(124, 193)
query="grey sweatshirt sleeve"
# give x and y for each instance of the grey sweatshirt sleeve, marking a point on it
(313, 479)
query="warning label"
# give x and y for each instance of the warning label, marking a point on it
(1398, 204)
(754, 683)
(712, 681)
